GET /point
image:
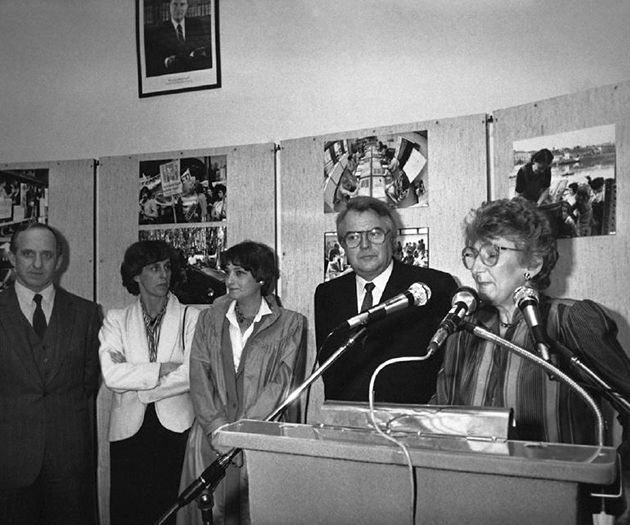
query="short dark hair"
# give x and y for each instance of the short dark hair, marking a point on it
(363, 204)
(143, 253)
(543, 156)
(522, 222)
(258, 259)
(36, 226)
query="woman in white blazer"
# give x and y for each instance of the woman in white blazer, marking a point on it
(145, 354)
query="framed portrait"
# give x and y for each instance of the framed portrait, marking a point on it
(177, 45)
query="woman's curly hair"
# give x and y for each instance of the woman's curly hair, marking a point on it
(521, 222)
(143, 253)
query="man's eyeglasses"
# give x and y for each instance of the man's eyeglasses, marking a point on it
(488, 252)
(375, 236)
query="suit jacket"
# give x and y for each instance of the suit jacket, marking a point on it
(47, 389)
(161, 42)
(136, 382)
(404, 333)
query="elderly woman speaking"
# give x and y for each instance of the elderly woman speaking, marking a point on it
(509, 244)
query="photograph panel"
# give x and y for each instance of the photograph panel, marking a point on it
(391, 168)
(572, 176)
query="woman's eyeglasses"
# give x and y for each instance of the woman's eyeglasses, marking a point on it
(375, 236)
(488, 252)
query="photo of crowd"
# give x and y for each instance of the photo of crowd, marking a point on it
(23, 199)
(187, 190)
(411, 247)
(391, 168)
(202, 279)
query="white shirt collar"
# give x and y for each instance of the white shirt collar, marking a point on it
(27, 305)
(26, 295)
(380, 282)
(237, 338)
(182, 23)
(263, 310)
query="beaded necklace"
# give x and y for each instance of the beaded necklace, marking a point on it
(241, 317)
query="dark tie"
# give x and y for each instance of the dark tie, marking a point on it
(367, 298)
(180, 33)
(39, 319)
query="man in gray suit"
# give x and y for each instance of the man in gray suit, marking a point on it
(179, 44)
(49, 374)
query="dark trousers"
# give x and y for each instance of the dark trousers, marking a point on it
(51, 500)
(145, 472)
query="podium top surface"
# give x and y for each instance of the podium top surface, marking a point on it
(555, 461)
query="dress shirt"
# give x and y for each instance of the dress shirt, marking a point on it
(379, 286)
(238, 338)
(182, 23)
(27, 305)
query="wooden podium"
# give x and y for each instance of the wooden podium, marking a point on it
(327, 474)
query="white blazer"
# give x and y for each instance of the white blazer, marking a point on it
(136, 382)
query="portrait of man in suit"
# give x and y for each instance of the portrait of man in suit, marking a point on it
(179, 44)
(367, 231)
(48, 379)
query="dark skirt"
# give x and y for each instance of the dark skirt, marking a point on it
(145, 472)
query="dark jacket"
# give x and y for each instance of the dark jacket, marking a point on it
(47, 389)
(404, 333)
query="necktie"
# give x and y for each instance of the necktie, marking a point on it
(180, 33)
(367, 298)
(39, 319)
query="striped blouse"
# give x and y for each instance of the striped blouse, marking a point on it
(477, 372)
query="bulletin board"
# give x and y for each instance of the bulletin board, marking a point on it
(247, 173)
(251, 214)
(65, 202)
(457, 182)
(592, 267)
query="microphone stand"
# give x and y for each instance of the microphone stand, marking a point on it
(212, 475)
(616, 399)
(486, 334)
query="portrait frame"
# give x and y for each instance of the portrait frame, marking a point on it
(169, 64)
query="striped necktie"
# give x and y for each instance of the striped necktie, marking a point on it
(367, 298)
(180, 33)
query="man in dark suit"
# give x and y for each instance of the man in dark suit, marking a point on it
(366, 230)
(49, 375)
(178, 45)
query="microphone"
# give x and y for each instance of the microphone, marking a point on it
(526, 298)
(418, 294)
(464, 302)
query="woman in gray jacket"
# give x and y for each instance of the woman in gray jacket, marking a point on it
(248, 353)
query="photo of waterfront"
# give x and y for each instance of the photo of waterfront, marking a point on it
(581, 195)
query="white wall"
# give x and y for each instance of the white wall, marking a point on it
(293, 68)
